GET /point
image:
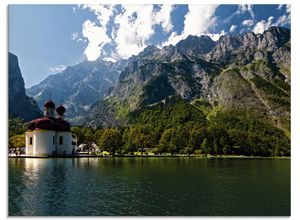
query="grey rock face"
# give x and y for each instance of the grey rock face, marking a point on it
(79, 86)
(196, 45)
(163, 73)
(194, 68)
(20, 105)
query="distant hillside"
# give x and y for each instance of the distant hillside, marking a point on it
(248, 72)
(78, 87)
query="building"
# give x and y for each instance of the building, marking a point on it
(50, 135)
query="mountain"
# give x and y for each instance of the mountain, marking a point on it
(78, 86)
(247, 72)
(196, 45)
(20, 105)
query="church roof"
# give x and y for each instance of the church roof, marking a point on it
(47, 123)
(60, 110)
(50, 123)
(49, 104)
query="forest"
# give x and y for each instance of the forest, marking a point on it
(177, 127)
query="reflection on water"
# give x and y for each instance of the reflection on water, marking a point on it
(148, 186)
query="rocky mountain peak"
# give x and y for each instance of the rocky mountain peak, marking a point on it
(78, 86)
(149, 50)
(20, 105)
(170, 53)
(194, 44)
(275, 37)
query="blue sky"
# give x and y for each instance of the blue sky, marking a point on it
(47, 38)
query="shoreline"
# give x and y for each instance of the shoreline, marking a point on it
(155, 156)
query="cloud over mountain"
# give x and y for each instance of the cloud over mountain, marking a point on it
(120, 31)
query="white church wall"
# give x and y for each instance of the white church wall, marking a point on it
(43, 142)
(29, 146)
(66, 144)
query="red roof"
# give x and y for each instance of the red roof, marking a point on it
(61, 125)
(60, 110)
(52, 124)
(49, 104)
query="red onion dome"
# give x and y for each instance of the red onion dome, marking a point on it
(41, 124)
(60, 110)
(49, 104)
(62, 125)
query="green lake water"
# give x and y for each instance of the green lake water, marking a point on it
(148, 186)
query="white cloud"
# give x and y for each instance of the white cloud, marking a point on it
(232, 28)
(57, 69)
(163, 17)
(109, 59)
(248, 22)
(246, 8)
(103, 13)
(288, 9)
(134, 25)
(241, 10)
(96, 37)
(132, 28)
(216, 36)
(263, 25)
(96, 33)
(197, 21)
(173, 39)
(270, 20)
(284, 19)
(75, 36)
(279, 7)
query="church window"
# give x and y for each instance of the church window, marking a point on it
(61, 140)
(30, 141)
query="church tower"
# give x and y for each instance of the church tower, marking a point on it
(49, 109)
(60, 111)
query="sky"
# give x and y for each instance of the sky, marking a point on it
(48, 38)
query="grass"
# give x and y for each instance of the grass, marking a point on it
(202, 105)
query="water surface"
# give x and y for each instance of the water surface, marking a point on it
(148, 186)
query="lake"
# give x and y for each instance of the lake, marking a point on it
(148, 186)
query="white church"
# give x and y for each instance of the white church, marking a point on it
(50, 135)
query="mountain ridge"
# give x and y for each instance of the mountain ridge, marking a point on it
(78, 86)
(245, 71)
(231, 72)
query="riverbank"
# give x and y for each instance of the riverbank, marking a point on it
(153, 156)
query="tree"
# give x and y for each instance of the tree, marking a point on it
(16, 126)
(226, 150)
(205, 146)
(165, 140)
(17, 141)
(110, 140)
(188, 150)
(89, 137)
(196, 138)
(80, 135)
(169, 141)
(141, 136)
(127, 139)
